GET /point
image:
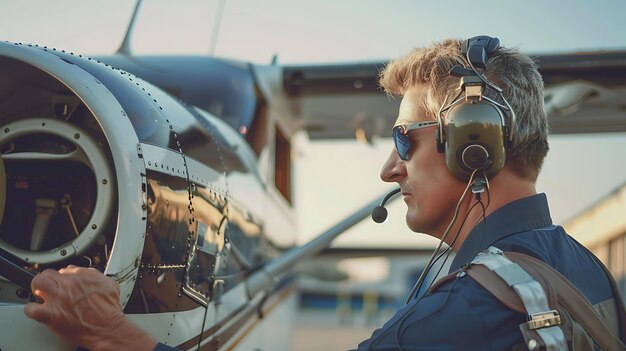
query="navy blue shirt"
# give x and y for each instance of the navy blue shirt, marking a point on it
(461, 315)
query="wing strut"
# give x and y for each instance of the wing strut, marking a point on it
(268, 274)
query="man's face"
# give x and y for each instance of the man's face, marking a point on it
(430, 191)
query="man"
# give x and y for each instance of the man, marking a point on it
(458, 314)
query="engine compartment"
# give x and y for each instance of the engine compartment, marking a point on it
(55, 155)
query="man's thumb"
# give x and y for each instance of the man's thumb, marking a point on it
(38, 312)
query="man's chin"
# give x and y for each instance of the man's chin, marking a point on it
(414, 223)
(419, 224)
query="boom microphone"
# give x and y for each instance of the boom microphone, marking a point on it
(379, 213)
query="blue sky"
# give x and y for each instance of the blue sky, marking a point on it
(579, 169)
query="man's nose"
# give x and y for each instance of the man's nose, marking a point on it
(394, 169)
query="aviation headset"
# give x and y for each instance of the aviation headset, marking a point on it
(476, 136)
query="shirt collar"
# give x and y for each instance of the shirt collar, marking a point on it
(518, 216)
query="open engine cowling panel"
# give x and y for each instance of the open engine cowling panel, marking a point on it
(60, 181)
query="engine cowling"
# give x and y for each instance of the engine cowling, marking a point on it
(71, 165)
(105, 170)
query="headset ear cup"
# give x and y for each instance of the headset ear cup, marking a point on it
(441, 144)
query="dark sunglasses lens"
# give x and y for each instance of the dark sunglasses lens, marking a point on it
(402, 142)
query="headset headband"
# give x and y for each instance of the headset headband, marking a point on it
(476, 135)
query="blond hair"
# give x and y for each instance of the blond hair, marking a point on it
(516, 74)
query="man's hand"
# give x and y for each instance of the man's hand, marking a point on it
(82, 306)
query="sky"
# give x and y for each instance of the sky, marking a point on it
(335, 178)
(301, 31)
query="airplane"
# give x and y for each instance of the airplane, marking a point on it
(172, 175)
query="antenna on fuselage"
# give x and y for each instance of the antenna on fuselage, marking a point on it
(125, 47)
(216, 26)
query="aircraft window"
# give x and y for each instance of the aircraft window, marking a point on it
(282, 165)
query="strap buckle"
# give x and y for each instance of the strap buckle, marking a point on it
(544, 320)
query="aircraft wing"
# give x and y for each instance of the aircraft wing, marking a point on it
(585, 93)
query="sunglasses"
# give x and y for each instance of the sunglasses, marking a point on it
(402, 141)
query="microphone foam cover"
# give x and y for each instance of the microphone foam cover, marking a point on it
(379, 214)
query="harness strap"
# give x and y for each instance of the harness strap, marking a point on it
(572, 300)
(543, 320)
(556, 288)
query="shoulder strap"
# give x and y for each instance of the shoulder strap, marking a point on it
(497, 287)
(544, 329)
(557, 287)
(572, 299)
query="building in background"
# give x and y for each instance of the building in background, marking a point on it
(602, 229)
